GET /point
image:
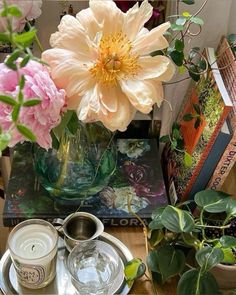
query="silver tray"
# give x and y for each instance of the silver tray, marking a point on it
(61, 285)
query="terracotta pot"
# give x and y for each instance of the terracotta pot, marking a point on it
(225, 275)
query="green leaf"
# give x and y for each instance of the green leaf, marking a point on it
(197, 108)
(193, 282)
(170, 261)
(202, 64)
(190, 239)
(177, 57)
(228, 241)
(73, 123)
(194, 73)
(176, 27)
(231, 207)
(188, 117)
(193, 52)
(4, 38)
(10, 61)
(15, 112)
(181, 21)
(197, 21)
(209, 197)
(135, 268)
(156, 237)
(208, 257)
(189, 2)
(229, 256)
(165, 138)
(156, 213)
(26, 38)
(197, 122)
(176, 133)
(187, 159)
(177, 220)
(11, 10)
(152, 261)
(26, 132)
(182, 70)
(32, 102)
(25, 61)
(8, 100)
(186, 14)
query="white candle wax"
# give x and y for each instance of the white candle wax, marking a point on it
(33, 248)
(32, 241)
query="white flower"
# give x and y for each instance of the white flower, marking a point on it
(102, 59)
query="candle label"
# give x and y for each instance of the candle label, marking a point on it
(32, 275)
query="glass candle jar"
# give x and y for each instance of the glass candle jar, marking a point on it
(33, 248)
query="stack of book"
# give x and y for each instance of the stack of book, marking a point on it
(205, 142)
(227, 65)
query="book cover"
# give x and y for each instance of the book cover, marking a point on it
(137, 181)
(209, 95)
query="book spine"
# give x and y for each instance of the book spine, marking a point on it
(213, 158)
(224, 166)
(205, 153)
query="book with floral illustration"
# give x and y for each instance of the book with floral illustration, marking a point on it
(137, 181)
(206, 108)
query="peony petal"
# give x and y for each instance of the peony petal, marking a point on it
(155, 67)
(109, 97)
(120, 119)
(168, 74)
(108, 15)
(151, 41)
(135, 18)
(71, 36)
(141, 94)
(88, 23)
(72, 102)
(159, 91)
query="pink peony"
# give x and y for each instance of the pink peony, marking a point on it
(30, 10)
(40, 118)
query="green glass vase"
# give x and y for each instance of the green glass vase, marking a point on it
(81, 166)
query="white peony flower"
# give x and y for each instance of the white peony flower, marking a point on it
(102, 59)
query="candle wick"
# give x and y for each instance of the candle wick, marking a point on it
(32, 248)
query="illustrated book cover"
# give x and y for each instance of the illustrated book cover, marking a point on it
(227, 65)
(210, 98)
(137, 181)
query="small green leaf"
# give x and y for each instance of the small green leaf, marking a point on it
(228, 241)
(197, 108)
(26, 132)
(182, 70)
(176, 27)
(26, 38)
(165, 138)
(188, 117)
(186, 14)
(189, 2)
(22, 82)
(25, 61)
(156, 237)
(176, 133)
(179, 45)
(152, 261)
(177, 220)
(202, 64)
(135, 268)
(187, 160)
(8, 100)
(197, 21)
(20, 97)
(32, 102)
(181, 21)
(11, 10)
(10, 62)
(177, 57)
(208, 257)
(197, 123)
(4, 37)
(15, 112)
(194, 73)
(228, 256)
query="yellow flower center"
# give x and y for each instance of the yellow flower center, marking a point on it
(115, 60)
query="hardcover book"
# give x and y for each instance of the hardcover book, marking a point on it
(227, 65)
(137, 181)
(210, 97)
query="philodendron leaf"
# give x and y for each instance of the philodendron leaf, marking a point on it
(193, 282)
(134, 269)
(156, 237)
(231, 207)
(229, 256)
(171, 261)
(152, 261)
(228, 241)
(208, 257)
(177, 220)
(209, 197)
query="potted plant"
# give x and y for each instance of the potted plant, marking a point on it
(196, 248)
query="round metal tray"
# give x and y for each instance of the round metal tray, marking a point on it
(62, 284)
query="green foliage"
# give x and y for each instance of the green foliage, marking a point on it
(135, 268)
(174, 231)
